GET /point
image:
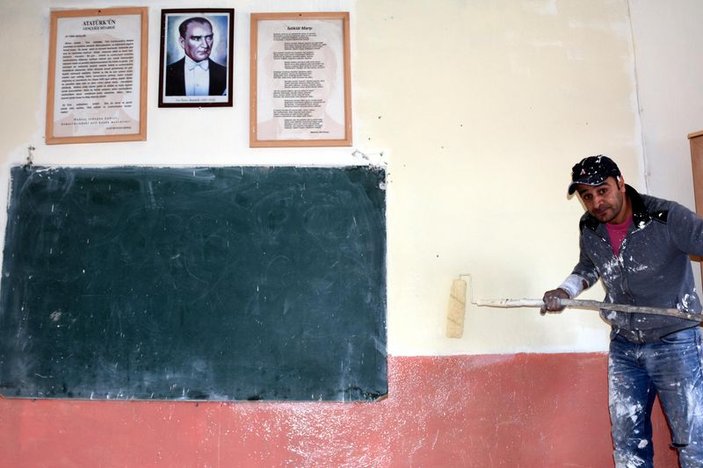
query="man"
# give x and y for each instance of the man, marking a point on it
(196, 74)
(638, 246)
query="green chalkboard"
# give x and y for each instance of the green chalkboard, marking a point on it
(234, 283)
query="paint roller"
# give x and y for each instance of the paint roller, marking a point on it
(456, 309)
(457, 306)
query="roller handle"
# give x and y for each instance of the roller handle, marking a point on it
(588, 304)
(671, 312)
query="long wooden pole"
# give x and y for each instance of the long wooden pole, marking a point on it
(588, 304)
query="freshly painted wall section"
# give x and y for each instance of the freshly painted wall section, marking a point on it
(486, 107)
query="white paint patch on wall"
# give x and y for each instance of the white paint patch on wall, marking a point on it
(545, 7)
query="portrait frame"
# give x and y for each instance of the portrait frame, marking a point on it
(172, 91)
(97, 75)
(300, 80)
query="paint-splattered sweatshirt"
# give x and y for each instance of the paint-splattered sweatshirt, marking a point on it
(651, 269)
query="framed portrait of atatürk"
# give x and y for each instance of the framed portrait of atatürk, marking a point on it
(196, 59)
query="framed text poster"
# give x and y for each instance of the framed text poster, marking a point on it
(97, 75)
(300, 80)
(196, 58)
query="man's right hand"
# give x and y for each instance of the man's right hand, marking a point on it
(552, 301)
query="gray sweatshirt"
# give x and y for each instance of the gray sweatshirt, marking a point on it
(651, 269)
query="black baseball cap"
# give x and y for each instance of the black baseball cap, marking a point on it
(593, 170)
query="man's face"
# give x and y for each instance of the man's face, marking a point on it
(197, 43)
(606, 202)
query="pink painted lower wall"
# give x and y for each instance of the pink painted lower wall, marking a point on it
(524, 410)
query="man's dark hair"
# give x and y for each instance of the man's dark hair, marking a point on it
(183, 27)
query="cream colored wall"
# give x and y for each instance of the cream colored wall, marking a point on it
(484, 109)
(668, 56)
(479, 109)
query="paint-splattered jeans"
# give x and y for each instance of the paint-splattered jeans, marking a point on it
(670, 368)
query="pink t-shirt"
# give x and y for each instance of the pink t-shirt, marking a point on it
(617, 233)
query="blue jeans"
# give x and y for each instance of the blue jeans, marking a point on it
(670, 368)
